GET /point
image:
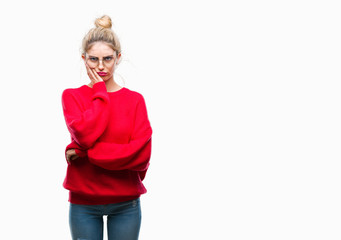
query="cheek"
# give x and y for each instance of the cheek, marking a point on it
(111, 69)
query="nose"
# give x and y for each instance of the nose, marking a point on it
(100, 65)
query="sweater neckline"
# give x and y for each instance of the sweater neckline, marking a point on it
(110, 93)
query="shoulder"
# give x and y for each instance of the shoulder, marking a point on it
(134, 95)
(74, 92)
(80, 90)
(138, 101)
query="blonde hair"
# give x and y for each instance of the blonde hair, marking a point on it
(101, 33)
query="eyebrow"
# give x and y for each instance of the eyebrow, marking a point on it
(103, 57)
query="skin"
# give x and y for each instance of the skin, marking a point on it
(100, 50)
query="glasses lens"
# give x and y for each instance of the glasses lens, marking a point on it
(108, 61)
(92, 62)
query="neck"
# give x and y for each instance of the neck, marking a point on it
(112, 86)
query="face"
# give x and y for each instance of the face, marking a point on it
(103, 59)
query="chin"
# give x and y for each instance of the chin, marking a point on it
(106, 78)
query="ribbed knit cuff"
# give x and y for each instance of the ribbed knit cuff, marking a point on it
(100, 91)
(80, 153)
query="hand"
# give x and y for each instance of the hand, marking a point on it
(71, 155)
(93, 75)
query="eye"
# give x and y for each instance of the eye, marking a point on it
(93, 59)
(108, 59)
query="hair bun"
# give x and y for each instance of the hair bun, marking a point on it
(104, 22)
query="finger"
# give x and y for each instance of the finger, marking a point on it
(90, 73)
(74, 157)
(96, 76)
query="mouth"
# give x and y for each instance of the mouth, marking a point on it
(102, 74)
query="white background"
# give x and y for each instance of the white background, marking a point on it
(243, 97)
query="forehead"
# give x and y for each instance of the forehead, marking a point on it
(100, 49)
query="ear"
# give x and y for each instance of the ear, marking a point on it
(83, 56)
(118, 58)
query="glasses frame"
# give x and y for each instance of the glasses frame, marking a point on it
(87, 58)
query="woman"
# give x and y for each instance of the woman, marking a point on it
(110, 144)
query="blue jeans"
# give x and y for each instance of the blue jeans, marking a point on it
(123, 221)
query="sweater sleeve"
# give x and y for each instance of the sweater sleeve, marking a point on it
(86, 125)
(79, 151)
(134, 155)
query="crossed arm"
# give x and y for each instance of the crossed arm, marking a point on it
(134, 155)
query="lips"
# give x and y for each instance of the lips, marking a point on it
(102, 73)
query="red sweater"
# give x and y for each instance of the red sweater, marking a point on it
(112, 135)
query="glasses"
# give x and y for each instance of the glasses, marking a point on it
(94, 61)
